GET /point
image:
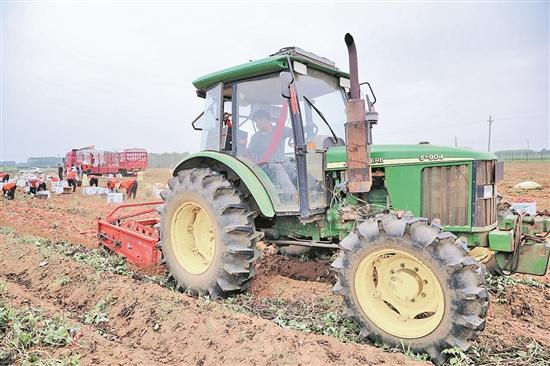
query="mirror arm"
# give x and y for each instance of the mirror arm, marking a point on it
(371, 91)
(195, 120)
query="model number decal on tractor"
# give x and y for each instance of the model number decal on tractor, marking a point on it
(376, 160)
(431, 157)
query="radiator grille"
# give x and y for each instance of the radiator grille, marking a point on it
(485, 209)
(445, 194)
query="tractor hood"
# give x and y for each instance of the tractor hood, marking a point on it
(385, 155)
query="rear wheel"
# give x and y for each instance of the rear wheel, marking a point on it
(408, 283)
(208, 238)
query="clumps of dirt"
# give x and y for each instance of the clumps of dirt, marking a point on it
(318, 270)
(518, 323)
(523, 310)
(58, 218)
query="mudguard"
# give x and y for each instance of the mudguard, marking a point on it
(256, 181)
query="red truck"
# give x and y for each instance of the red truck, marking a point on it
(98, 162)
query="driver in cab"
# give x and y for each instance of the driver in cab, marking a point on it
(266, 147)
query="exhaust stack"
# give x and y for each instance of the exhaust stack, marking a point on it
(357, 130)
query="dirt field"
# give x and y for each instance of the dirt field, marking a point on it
(516, 172)
(113, 314)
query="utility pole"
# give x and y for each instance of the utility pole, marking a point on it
(456, 142)
(527, 149)
(490, 120)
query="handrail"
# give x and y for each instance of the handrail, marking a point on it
(112, 219)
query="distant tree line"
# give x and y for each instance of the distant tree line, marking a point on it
(523, 154)
(165, 160)
(38, 162)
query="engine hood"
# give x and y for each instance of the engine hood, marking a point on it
(386, 155)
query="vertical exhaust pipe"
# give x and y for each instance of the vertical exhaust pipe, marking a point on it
(353, 68)
(357, 130)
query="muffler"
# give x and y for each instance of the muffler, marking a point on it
(357, 130)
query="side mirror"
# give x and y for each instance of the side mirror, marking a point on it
(286, 79)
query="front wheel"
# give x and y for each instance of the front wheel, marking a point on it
(208, 239)
(408, 283)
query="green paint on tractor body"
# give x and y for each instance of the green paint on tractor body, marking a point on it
(254, 179)
(386, 155)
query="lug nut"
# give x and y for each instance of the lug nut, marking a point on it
(402, 265)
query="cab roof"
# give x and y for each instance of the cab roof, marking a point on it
(274, 63)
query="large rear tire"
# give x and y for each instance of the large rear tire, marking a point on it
(410, 284)
(208, 239)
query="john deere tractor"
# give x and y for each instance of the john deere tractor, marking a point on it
(287, 158)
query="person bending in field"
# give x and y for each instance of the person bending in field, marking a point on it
(131, 186)
(71, 179)
(112, 184)
(36, 185)
(4, 177)
(8, 190)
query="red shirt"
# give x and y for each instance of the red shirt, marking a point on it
(127, 183)
(71, 175)
(6, 187)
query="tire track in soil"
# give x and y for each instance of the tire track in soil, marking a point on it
(169, 327)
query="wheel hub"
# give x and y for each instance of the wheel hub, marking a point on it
(405, 285)
(399, 293)
(193, 236)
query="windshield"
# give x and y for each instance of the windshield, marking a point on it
(328, 97)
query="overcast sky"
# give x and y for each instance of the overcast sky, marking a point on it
(119, 75)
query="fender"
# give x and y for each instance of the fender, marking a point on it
(251, 179)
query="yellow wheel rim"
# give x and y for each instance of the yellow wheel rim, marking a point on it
(399, 294)
(193, 238)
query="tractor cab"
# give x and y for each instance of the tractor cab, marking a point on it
(281, 136)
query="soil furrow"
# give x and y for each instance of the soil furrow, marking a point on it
(173, 327)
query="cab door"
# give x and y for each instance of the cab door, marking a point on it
(210, 122)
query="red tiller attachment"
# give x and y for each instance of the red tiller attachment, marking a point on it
(135, 239)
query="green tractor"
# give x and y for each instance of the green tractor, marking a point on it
(287, 158)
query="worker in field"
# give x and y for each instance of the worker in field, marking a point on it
(60, 171)
(93, 181)
(112, 184)
(71, 179)
(36, 185)
(4, 177)
(131, 186)
(8, 190)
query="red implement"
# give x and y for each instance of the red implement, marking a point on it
(135, 239)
